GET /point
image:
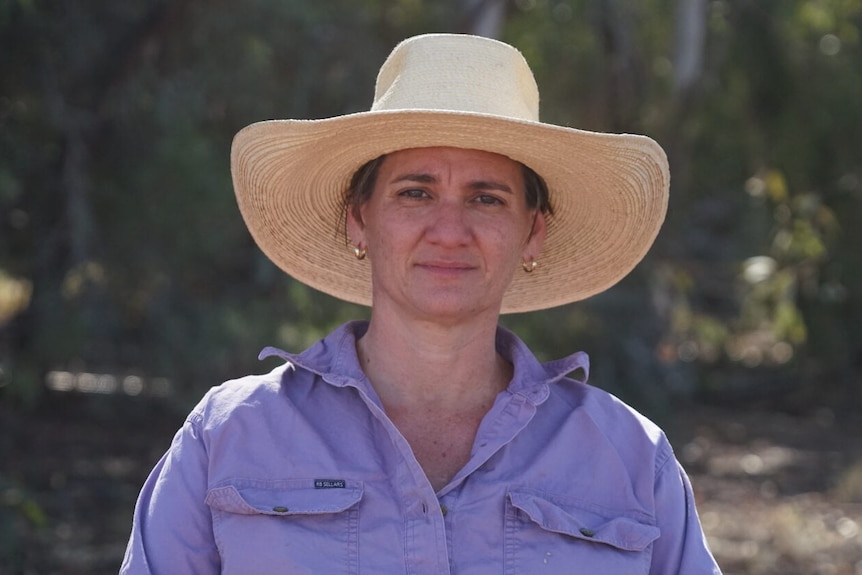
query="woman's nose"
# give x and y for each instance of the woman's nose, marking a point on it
(449, 224)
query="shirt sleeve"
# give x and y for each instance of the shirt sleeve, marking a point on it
(172, 527)
(682, 547)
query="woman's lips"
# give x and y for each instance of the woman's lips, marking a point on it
(446, 267)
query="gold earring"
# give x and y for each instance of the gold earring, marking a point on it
(360, 253)
(529, 266)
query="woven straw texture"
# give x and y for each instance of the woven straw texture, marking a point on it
(609, 191)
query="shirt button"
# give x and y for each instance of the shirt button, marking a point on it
(280, 509)
(587, 532)
(444, 509)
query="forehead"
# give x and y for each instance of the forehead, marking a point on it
(445, 158)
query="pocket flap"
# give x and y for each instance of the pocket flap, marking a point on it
(580, 522)
(282, 497)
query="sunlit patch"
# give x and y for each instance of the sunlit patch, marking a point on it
(107, 384)
(830, 44)
(758, 269)
(15, 295)
(82, 276)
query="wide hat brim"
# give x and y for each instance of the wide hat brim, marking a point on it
(609, 193)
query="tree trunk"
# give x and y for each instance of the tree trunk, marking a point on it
(689, 44)
(484, 17)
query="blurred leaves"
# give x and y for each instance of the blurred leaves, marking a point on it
(118, 218)
(20, 517)
(14, 296)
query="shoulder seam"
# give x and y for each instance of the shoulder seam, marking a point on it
(664, 453)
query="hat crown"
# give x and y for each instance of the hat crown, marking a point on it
(609, 191)
(460, 73)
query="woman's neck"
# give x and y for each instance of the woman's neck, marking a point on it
(422, 363)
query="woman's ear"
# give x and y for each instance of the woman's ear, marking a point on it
(536, 240)
(355, 228)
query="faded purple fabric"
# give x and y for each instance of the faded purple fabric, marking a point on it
(300, 471)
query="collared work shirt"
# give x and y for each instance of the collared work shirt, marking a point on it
(301, 471)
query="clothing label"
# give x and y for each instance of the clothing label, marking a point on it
(329, 484)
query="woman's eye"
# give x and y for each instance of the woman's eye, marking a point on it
(489, 200)
(414, 193)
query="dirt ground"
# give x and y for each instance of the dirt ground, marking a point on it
(778, 494)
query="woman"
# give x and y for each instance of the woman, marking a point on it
(428, 440)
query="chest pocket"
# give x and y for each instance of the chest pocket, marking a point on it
(550, 534)
(291, 526)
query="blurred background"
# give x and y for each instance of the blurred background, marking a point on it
(129, 285)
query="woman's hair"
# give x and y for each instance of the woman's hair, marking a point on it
(362, 186)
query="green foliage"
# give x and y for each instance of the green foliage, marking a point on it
(116, 207)
(20, 517)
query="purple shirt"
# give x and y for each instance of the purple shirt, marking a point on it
(301, 471)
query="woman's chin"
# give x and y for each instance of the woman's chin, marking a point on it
(449, 309)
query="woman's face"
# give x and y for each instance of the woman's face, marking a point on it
(445, 230)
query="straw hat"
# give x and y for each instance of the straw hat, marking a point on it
(609, 191)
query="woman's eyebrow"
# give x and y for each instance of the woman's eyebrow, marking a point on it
(425, 178)
(490, 185)
(422, 178)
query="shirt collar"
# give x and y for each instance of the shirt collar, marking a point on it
(334, 359)
(531, 377)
